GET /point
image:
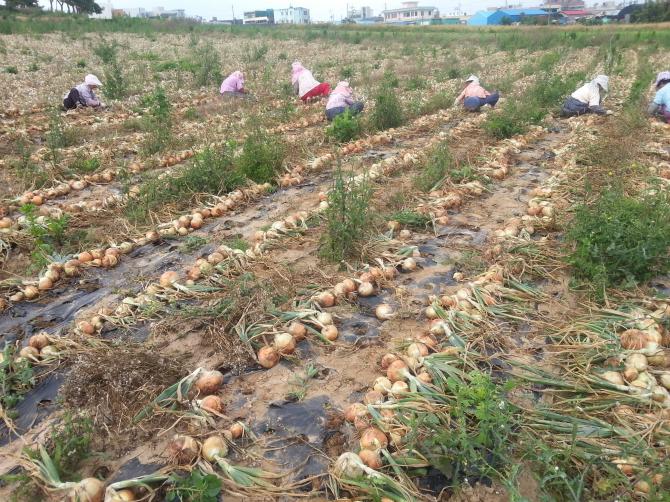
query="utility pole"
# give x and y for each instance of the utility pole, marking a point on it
(232, 7)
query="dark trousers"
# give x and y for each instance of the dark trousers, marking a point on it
(72, 99)
(473, 104)
(354, 108)
(573, 108)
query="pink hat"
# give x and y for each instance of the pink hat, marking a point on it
(343, 88)
(297, 68)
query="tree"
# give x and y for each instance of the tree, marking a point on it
(652, 12)
(21, 4)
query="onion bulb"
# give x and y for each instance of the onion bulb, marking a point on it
(355, 410)
(297, 330)
(236, 430)
(284, 343)
(324, 318)
(88, 490)
(637, 361)
(29, 353)
(349, 285)
(348, 466)
(387, 359)
(408, 265)
(330, 332)
(31, 292)
(633, 339)
(373, 397)
(122, 496)
(630, 374)
(371, 458)
(427, 339)
(664, 380)
(49, 351)
(183, 450)
(213, 448)
(44, 284)
(382, 384)
(399, 388)
(268, 357)
(168, 278)
(325, 299)
(397, 370)
(417, 350)
(209, 382)
(212, 404)
(366, 289)
(373, 439)
(613, 377)
(39, 341)
(430, 313)
(425, 377)
(384, 312)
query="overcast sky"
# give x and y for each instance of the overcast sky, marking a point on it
(320, 10)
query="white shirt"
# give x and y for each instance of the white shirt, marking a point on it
(588, 93)
(306, 82)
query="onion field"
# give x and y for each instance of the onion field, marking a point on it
(207, 298)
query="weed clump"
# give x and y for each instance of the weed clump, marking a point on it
(158, 122)
(48, 233)
(205, 65)
(388, 111)
(262, 157)
(621, 240)
(347, 218)
(345, 127)
(436, 169)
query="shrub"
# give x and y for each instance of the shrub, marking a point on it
(13, 70)
(82, 165)
(620, 240)
(390, 79)
(33, 67)
(346, 73)
(257, 53)
(49, 234)
(115, 83)
(158, 122)
(262, 157)
(387, 112)
(59, 135)
(344, 127)
(106, 52)
(211, 172)
(81, 64)
(347, 218)
(416, 83)
(205, 65)
(436, 169)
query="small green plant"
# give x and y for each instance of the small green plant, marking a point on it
(205, 65)
(33, 67)
(194, 487)
(416, 83)
(158, 122)
(59, 135)
(412, 219)
(436, 169)
(49, 234)
(300, 382)
(621, 240)
(16, 378)
(192, 113)
(116, 86)
(106, 52)
(390, 79)
(81, 64)
(346, 73)
(238, 243)
(82, 165)
(345, 127)
(262, 157)
(12, 70)
(191, 243)
(257, 53)
(387, 112)
(70, 444)
(347, 217)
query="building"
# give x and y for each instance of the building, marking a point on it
(410, 13)
(259, 17)
(504, 16)
(292, 15)
(136, 12)
(574, 16)
(355, 14)
(173, 14)
(559, 5)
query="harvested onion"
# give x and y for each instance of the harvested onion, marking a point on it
(366, 289)
(330, 332)
(284, 343)
(397, 370)
(325, 299)
(168, 278)
(88, 490)
(387, 359)
(355, 410)
(212, 404)
(268, 357)
(371, 458)
(297, 330)
(213, 448)
(183, 450)
(384, 312)
(209, 382)
(373, 439)
(39, 341)
(382, 385)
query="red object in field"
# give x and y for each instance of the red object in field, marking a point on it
(320, 90)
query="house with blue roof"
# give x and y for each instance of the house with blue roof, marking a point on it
(496, 17)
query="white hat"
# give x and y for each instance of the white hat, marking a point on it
(602, 81)
(664, 75)
(92, 80)
(473, 78)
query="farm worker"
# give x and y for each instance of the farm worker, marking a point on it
(587, 99)
(305, 85)
(233, 85)
(474, 96)
(341, 100)
(661, 104)
(83, 94)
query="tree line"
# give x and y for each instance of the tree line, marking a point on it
(70, 6)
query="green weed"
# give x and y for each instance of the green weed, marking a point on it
(49, 234)
(106, 52)
(205, 65)
(388, 112)
(191, 243)
(436, 169)
(115, 86)
(345, 127)
(412, 219)
(262, 157)
(16, 378)
(194, 487)
(620, 240)
(158, 122)
(347, 218)
(12, 70)
(81, 64)
(416, 83)
(82, 165)
(301, 382)
(59, 135)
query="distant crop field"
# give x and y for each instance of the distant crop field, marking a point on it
(205, 296)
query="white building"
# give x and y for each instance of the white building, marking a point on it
(292, 15)
(136, 12)
(410, 13)
(362, 13)
(106, 12)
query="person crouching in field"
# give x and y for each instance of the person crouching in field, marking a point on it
(233, 85)
(305, 85)
(474, 96)
(587, 99)
(341, 100)
(83, 94)
(660, 106)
